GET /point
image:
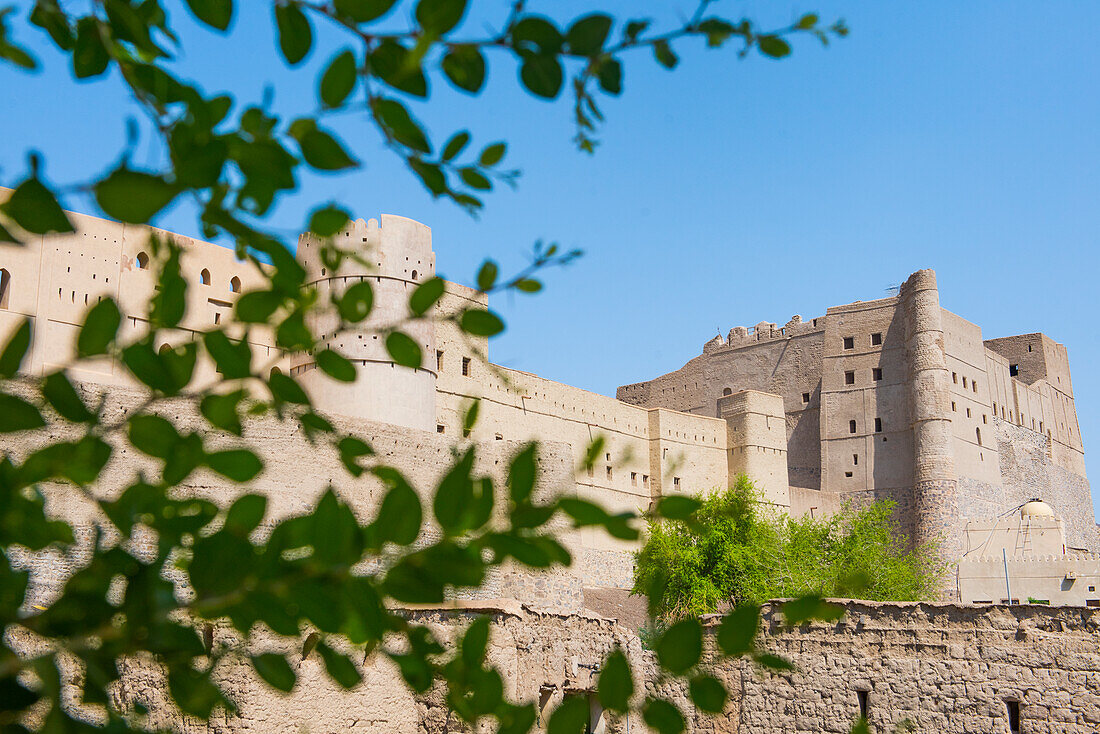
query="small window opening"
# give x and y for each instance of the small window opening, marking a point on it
(1013, 370)
(727, 391)
(235, 284)
(5, 286)
(1013, 709)
(439, 428)
(849, 342)
(955, 377)
(633, 479)
(878, 425)
(974, 385)
(142, 261)
(978, 433)
(465, 366)
(217, 318)
(1029, 347)
(414, 275)
(676, 482)
(438, 360)
(848, 474)
(805, 397)
(954, 409)
(984, 418)
(645, 481)
(965, 385)
(864, 707)
(849, 378)
(855, 459)
(876, 339)
(876, 374)
(609, 474)
(204, 277)
(968, 412)
(851, 426)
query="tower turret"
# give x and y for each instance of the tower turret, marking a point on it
(399, 258)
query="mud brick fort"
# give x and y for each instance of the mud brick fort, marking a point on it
(975, 439)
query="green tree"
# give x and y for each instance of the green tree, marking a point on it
(732, 551)
(234, 162)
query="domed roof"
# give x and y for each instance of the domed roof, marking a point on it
(1036, 508)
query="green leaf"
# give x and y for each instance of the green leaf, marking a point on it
(62, 396)
(455, 145)
(440, 16)
(240, 465)
(153, 435)
(336, 365)
(487, 275)
(570, 717)
(737, 633)
(351, 450)
(773, 46)
(99, 329)
(663, 716)
(245, 514)
(357, 302)
(616, 683)
(215, 13)
(492, 154)
(534, 33)
(90, 57)
(464, 65)
(17, 414)
(287, 389)
(708, 693)
(469, 420)
(256, 307)
(34, 208)
(400, 516)
(680, 647)
(542, 75)
(320, 149)
(481, 323)
(295, 32)
(610, 75)
(234, 360)
(475, 179)
(809, 20)
(219, 563)
(522, 473)
(293, 334)
(398, 123)
(338, 81)
(275, 671)
(475, 641)
(400, 68)
(170, 299)
(587, 35)
(364, 11)
(15, 350)
(134, 197)
(528, 285)
(339, 667)
(666, 57)
(47, 14)
(677, 507)
(426, 295)
(404, 350)
(774, 662)
(328, 221)
(809, 607)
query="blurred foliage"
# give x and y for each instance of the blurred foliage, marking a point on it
(177, 580)
(734, 549)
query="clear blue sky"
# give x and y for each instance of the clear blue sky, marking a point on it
(956, 136)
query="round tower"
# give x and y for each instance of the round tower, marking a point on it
(935, 485)
(398, 258)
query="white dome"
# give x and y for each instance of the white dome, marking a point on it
(1036, 508)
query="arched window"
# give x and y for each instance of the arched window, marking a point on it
(235, 284)
(978, 431)
(142, 261)
(727, 391)
(204, 277)
(414, 275)
(5, 287)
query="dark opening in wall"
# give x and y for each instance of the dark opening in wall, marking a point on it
(727, 391)
(235, 284)
(5, 286)
(142, 261)
(465, 366)
(876, 374)
(851, 426)
(805, 397)
(878, 425)
(676, 482)
(876, 339)
(864, 704)
(964, 383)
(439, 428)
(955, 377)
(978, 431)
(848, 474)
(1013, 710)
(439, 360)
(849, 378)
(1013, 370)
(849, 342)
(855, 459)
(1029, 347)
(204, 277)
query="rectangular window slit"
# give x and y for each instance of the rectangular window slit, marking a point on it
(849, 378)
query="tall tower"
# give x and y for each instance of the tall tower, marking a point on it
(935, 484)
(398, 258)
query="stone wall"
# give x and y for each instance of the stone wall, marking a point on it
(948, 669)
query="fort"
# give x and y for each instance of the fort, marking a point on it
(895, 399)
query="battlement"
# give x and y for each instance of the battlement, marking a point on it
(740, 336)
